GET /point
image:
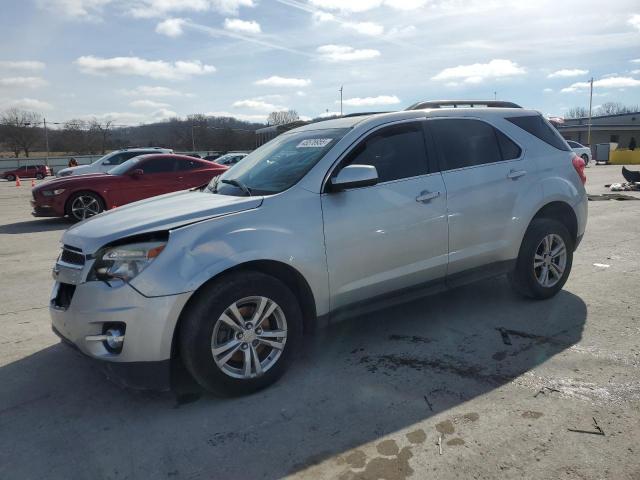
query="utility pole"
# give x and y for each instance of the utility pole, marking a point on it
(193, 140)
(495, 95)
(590, 106)
(46, 141)
(341, 87)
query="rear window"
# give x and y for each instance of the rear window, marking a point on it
(538, 127)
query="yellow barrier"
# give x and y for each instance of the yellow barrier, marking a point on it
(625, 157)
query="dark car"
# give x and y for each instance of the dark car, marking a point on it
(28, 171)
(141, 177)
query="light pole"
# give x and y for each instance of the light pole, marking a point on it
(590, 106)
(46, 141)
(193, 140)
(341, 87)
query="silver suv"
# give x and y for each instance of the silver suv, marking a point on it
(110, 160)
(325, 221)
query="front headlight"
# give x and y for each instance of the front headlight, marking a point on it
(51, 193)
(126, 261)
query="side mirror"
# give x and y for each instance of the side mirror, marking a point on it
(354, 176)
(138, 172)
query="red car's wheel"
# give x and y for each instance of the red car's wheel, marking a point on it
(10, 177)
(83, 205)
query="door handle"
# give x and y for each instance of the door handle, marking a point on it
(515, 174)
(425, 196)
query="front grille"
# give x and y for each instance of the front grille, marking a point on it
(69, 256)
(64, 296)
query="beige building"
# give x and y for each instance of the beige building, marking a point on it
(604, 129)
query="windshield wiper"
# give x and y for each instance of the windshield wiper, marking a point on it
(237, 183)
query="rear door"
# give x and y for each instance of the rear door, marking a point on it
(390, 236)
(160, 175)
(487, 176)
(194, 173)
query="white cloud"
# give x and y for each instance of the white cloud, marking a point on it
(258, 118)
(78, 9)
(132, 117)
(139, 66)
(363, 28)
(148, 91)
(242, 26)
(478, 72)
(352, 6)
(635, 60)
(634, 21)
(610, 82)
(21, 65)
(159, 8)
(635, 72)
(401, 32)
(29, 104)
(148, 104)
(548, 90)
(257, 104)
(277, 81)
(23, 82)
(171, 27)
(567, 72)
(343, 53)
(368, 101)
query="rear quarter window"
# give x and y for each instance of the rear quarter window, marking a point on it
(540, 128)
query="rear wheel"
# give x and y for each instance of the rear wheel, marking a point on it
(83, 205)
(240, 334)
(585, 157)
(39, 176)
(544, 261)
(10, 177)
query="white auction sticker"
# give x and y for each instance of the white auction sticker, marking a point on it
(314, 143)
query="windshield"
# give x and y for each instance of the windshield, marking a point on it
(277, 165)
(125, 167)
(108, 155)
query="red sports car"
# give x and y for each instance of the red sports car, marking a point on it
(140, 177)
(28, 171)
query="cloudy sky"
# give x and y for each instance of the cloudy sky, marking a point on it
(137, 61)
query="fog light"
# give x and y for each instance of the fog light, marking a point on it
(114, 338)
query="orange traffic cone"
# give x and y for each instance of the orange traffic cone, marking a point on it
(18, 184)
(33, 183)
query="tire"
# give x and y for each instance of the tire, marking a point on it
(528, 277)
(202, 330)
(89, 202)
(11, 178)
(39, 176)
(585, 157)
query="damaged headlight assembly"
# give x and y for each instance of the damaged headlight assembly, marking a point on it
(125, 262)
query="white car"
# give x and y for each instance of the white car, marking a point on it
(580, 150)
(230, 158)
(110, 160)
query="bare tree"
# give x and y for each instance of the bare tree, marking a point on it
(74, 136)
(614, 108)
(577, 112)
(21, 129)
(283, 117)
(101, 130)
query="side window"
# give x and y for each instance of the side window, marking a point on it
(396, 152)
(466, 142)
(509, 150)
(123, 157)
(188, 165)
(159, 165)
(540, 128)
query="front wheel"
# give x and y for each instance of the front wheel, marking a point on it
(240, 333)
(83, 205)
(39, 176)
(10, 178)
(544, 261)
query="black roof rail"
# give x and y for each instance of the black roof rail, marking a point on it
(360, 114)
(463, 104)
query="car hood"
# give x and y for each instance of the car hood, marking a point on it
(79, 170)
(161, 213)
(69, 182)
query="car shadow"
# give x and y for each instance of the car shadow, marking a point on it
(354, 383)
(35, 226)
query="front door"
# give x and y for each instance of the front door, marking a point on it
(388, 237)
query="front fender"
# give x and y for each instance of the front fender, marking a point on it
(276, 231)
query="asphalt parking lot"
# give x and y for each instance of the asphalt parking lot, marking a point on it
(497, 379)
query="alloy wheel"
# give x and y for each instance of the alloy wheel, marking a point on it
(550, 260)
(85, 206)
(249, 337)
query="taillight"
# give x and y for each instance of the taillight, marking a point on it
(578, 164)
